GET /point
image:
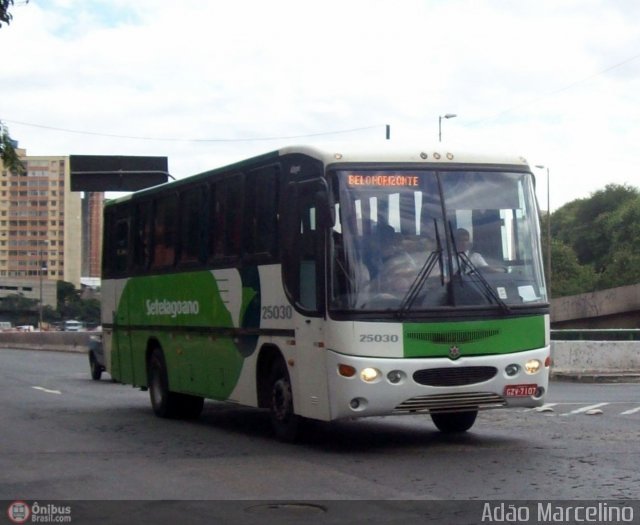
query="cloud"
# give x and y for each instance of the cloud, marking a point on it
(533, 76)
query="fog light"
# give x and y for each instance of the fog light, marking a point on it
(395, 376)
(358, 404)
(532, 366)
(512, 369)
(369, 375)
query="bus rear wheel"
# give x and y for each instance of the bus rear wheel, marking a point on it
(285, 424)
(165, 403)
(454, 422)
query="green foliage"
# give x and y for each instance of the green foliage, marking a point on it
(8, 154)
(568, 276)
(5, 16)
(20, 310)
(600, 242)
(71, 305)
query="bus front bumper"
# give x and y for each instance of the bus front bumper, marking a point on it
(365, 386)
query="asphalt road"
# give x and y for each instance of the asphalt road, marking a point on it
(66, 437)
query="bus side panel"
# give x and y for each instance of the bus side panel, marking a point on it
(201, 320)
(268, 309)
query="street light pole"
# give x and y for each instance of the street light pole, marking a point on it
(540, 166)
(42, 267)
(447, 116)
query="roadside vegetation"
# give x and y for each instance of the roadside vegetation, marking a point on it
(595, 242)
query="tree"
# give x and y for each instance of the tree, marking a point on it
(8, 153)
(5, 16)
(600, 241)
(72, 306)
(568, 276)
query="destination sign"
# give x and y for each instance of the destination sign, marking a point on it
(384, 180)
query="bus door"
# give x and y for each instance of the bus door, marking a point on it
(304, 263)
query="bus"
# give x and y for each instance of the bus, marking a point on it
(327, 285)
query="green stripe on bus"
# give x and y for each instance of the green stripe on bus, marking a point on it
(485, 337)
(209, 364)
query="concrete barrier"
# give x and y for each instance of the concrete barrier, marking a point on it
(596, 359)
(57, 341)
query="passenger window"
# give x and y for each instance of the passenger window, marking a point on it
(261, 208)
(192, 225)
(164, 232)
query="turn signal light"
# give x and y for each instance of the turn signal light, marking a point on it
(346, 370)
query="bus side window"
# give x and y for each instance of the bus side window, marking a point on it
(192, 225)
(261, 220)
(120, 253)
(142, 236)
(164, 232)
(227, 210)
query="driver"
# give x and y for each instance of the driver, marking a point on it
(393, 268)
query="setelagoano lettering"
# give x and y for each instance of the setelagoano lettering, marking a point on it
(172, 308)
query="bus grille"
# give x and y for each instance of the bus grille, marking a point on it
(465, 375)
(451, 402)
(453, 337)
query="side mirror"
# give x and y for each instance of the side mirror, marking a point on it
(325, 209)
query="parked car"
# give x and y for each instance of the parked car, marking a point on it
(96, 357)
(73, 326)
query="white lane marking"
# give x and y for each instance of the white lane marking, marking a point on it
(629, 412)
(547, 407)
(42, 389)
(585, 409)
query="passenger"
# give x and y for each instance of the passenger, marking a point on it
(464, 245)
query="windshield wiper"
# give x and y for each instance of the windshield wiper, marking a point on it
(466, 267)
(423, 274)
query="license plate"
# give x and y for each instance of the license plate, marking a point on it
(520, 390)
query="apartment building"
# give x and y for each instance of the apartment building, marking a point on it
(40, 222)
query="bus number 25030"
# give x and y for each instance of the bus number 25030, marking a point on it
(277, 311)
(379, 338)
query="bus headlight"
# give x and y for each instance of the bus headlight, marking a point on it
(370, 375)
(532, 366)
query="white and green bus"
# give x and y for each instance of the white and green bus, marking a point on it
(332, 284)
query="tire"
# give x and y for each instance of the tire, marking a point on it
(164, 402)
(454, 422)
(285, 424)
(190, 407)
(96, 369)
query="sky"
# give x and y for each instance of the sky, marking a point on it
(207, 83)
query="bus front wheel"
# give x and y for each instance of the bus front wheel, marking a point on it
(455, 421)
(286, 425)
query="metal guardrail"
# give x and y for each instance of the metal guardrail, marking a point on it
(611, 334)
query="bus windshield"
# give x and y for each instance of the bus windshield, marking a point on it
(408, 241)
